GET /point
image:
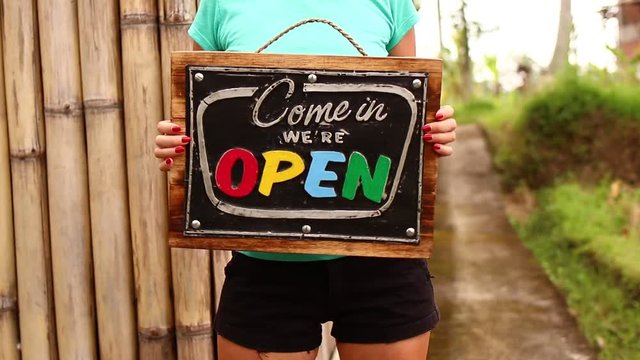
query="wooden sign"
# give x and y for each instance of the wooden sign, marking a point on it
(304, 154)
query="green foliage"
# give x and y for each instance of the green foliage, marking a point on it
(629, 66)
(475, 109)
(582, 239)
(558, 114)
(585, 126)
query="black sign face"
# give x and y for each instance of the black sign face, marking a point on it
(304, 154)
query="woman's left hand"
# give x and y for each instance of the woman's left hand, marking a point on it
(442, 132)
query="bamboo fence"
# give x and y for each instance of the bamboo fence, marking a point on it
(8, 285)
(190, 268)
(83, 222)
(147, 186)
(67, 169)
(23, 93)
(102, 101)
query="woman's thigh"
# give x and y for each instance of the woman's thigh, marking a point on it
(415, 348)
(228, 350)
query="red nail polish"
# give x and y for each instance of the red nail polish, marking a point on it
(176, 128)
(179, 149)
(426, 128)
(436, 146)
(186, 139)
(439, 117)
(168, 161)
(428, 137)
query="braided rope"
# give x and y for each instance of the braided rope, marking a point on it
(315, 20)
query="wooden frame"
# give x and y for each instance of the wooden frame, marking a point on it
(433, 68)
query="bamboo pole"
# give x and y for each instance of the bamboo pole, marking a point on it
(110, 232)
(191, 281)
(26, 146)
(8, 286)
(191, 268)
(220, 260)
(67, 179)
(147, 185)
(175, 18)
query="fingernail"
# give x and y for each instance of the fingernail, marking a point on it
(426, 128)
(436, 146)
(439, 116)
(186, 139)
(176, 128)
(179, 149)
(428, 137)
(168, 161)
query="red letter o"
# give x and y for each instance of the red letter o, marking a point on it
(249, 172)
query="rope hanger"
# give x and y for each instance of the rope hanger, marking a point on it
(315, 20)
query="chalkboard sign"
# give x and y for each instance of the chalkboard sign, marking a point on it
(289, 158)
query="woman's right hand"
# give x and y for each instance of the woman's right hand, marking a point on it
(170, 143)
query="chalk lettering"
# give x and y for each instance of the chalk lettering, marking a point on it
(363, 115)
(298, 111)
(264, 95)
(306, 137)
(314, 113)
(291, 136)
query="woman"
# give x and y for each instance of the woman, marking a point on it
(272, 305)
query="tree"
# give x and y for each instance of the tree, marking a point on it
(465, 65)
(565, 26)
(491, 63)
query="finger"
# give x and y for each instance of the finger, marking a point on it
(445, 112)
(440, 138)
(166, 164)
(442, 150)
(443, 126)
(168, 128)
(163, 153)
(170, 141)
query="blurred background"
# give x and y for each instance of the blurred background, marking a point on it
(554, 88)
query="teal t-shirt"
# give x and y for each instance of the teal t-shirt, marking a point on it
(246, 25)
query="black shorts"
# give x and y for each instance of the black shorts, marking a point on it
(278, 306)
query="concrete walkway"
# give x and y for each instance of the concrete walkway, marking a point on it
(495, 300)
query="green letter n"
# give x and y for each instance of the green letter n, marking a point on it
(358, 173)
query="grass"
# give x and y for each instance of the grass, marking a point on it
(582, 240)
(598, 224)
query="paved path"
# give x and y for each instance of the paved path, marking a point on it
(495, 300)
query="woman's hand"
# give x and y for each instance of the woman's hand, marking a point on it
(169, 144)
(441, 132)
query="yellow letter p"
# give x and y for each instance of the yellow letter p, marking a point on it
(270, 173)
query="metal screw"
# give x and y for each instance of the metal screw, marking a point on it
(417, 83)
(199, 77)
(411, 232)
(312, 78)
(195, 224)
(306, 229)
